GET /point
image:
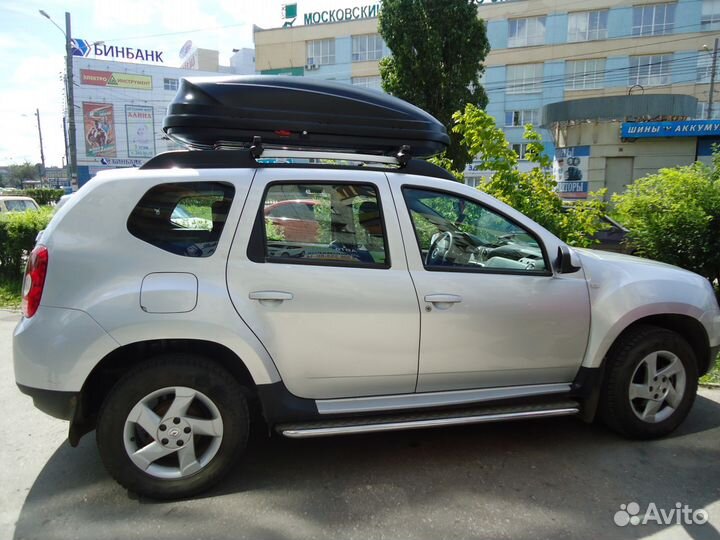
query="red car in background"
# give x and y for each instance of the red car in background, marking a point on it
(296, 219)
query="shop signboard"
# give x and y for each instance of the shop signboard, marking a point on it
(571, 170)
(140, 131)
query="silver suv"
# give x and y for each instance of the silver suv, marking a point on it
(166, 303)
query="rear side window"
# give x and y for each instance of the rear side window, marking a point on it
(322, 224)
(184, 218)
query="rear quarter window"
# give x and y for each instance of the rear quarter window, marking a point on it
(184, 218)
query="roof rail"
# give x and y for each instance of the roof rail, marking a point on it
(340, 156)
(234, 159)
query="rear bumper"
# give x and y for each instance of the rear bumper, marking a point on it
(53, 402)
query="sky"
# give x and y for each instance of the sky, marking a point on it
(32, 51)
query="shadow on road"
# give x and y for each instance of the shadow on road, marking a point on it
(554, 478)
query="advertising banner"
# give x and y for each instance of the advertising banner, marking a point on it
(115, 80)
(140, 131)
(686, 128)
(99, 122)
(571, 169)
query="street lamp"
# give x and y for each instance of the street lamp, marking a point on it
(69, 93)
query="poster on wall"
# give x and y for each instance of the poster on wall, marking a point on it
(571, 170)
(140, 131)
(99, 124)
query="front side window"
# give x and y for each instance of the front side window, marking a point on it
(526, 32)
(184, 218)
(321, 52)
(587, 25)
(585, 74)
(367, 47)
(650, 70)
(454, 233)
(653, 19)
(524, 78)
(331, 224)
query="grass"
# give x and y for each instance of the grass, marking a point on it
(714, 375)
(10, 297)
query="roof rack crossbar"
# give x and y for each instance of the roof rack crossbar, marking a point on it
(344, 156)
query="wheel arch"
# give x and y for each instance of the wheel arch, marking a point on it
(117, 363)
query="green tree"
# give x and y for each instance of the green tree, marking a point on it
(674, 216)
(532, 193)
(438, 47)
(18, 173)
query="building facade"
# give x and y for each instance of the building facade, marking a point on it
(542, 52)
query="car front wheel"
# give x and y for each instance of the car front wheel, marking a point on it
(651, 383)
(172, 427)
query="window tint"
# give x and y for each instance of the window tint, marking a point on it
(324, 224)
(454, 232)
(184, 218)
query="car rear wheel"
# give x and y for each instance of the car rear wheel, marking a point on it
(173, 427)
(651, 383)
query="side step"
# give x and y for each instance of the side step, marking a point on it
(347, 426)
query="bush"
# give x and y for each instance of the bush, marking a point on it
(18, 231)
(532, 193)
(674, 216)
(44, 196)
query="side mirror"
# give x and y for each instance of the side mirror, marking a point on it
(564, 261)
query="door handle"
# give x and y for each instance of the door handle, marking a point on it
(277, 296)
(443, 298)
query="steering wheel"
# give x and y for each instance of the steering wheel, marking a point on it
(440, 246)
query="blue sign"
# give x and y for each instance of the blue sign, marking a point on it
(687, 128)
(79, 47)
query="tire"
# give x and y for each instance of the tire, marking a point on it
(639, 404)
(196, 410)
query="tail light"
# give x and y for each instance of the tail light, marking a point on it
(34, 281)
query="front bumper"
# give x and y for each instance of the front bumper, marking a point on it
(56, 403)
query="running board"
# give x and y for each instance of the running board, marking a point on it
(350, 426)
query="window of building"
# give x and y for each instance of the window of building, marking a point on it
(338, 224)
(584, 74)
(321, 52)
(170, 84)
(702, 108)
(650, 70)
(367, 47)
(456, 233)
(653, 19)
(184, 218)
(524, 78)
(587, 25)
(525, 32)
(373, 82)
(520, 149)
(522, 117)
(704, 67)
(710, 15)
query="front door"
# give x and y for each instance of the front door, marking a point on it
(324, 284)
(493, 312)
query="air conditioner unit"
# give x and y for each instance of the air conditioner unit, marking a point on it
(311, 67)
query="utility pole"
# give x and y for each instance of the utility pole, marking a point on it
(71, 147)
(42, 150)
(72, 143)
(712, 79)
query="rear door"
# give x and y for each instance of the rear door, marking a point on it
(337, 312)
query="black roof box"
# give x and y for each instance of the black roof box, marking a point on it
(215, 112)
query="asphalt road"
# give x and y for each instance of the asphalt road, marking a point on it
(554, 478)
